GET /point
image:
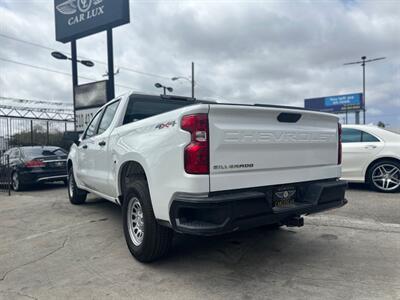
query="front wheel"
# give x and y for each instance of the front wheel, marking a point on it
(75, 195)
(384, 176)
(146, 239)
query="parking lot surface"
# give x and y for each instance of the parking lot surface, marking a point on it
(51, 249)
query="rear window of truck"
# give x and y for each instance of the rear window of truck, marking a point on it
(139, 110)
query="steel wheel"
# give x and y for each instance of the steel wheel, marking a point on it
(135, 221)
(386, 177)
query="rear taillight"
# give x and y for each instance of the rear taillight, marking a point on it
(339, 144)
(35, 164)
(197, 152)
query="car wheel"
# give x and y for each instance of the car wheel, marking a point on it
(146, 239)
(384, 176)
(76, 195)
(15, 182)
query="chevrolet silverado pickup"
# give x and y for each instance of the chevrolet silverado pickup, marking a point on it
(205, 168)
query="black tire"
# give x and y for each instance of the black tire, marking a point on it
(15, 182)
(156, 239)
(387, 163)
(76, 196)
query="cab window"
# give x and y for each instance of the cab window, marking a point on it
(92, 128)
(108, 116)
(142, 109)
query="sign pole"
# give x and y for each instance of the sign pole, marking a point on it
(74, 75)
(110, 57)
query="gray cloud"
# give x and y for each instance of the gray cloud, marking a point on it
(245, 51)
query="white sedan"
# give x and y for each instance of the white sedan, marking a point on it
(371, 155)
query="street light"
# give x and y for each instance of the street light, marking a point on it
(362, 62)
(165, 88)
(74, 60)
(59, 55)
(191, 80)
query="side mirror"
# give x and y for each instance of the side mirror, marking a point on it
(72, 136)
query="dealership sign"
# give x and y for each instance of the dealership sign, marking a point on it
(336, 104)
(88, 99)
(79, 18)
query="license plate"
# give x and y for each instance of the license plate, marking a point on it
(284, 197)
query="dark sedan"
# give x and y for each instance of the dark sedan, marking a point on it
(37, 164)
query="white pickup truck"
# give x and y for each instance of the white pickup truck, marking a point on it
(205, 168)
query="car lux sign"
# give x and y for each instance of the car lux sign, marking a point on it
(78, 18)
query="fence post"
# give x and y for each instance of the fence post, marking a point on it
(47, 133)
(9, 175)
(8, 136)
(31, 132)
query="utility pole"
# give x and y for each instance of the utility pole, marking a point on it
(363, 62)
(363, 65)
(192, 80)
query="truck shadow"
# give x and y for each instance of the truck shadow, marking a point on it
(359, 187)
(243, 254)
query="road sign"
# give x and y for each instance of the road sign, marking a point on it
(79, 18)
(336, 104)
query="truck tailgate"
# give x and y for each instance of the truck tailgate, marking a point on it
(257, 146)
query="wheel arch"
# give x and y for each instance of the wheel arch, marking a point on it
(130, 168)
(69, 164)
(367, 170)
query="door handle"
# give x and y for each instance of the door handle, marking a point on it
(84, 147)
(102, 143)
(370, 147)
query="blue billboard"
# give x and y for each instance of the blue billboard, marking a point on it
(336, 104)
(79, 18)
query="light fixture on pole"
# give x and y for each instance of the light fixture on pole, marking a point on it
(190, 79)
(165, 88)
(363, 61)
(74, 60)
(59, 55)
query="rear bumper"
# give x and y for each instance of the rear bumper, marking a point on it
(30, 177)
(218, 213)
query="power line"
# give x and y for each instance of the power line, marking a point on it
(54, 71)
(97, 61)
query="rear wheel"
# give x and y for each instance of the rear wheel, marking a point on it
(384, 176)
(15, 182)
(146, 239)
(76, 195)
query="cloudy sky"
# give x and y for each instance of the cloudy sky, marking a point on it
(278, 52)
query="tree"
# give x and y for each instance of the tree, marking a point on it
(381, 124)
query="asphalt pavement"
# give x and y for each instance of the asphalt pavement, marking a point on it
(50, 249)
